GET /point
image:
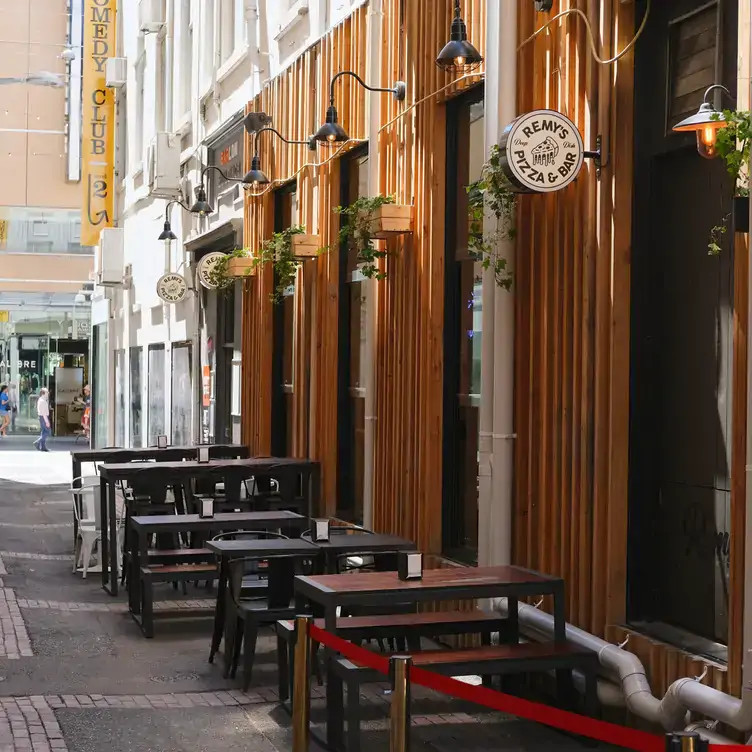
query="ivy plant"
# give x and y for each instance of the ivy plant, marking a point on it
(278, 251)
(357, 232)
(493, 193)
(732, 143)
(218, 276)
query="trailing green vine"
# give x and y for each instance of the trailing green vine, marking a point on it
(492, 192)
(217, 275)
(732, 144)
(357, 232)
(279, 252)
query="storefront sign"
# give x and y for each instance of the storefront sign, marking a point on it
(172, 288)
(541, 152)
(98, 138)
(206, 381)
(205, 267)
(4, 317)
(227, 154)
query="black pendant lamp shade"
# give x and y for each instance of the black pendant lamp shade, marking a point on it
(255, 176)
(331, 132)
(201, 206)
(167, 233)
(458, 56)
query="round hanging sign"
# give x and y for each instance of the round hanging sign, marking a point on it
(172, 288)
(205, 267)
(541, 152)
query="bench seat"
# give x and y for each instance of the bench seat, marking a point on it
(487, 660)
(406, 627)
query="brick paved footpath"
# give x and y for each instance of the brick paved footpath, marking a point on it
(76, 674)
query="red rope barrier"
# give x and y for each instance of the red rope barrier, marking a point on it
(574, 723)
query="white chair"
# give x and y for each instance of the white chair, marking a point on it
(86, 508)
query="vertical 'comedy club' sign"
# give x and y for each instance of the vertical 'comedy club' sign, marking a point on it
(98, 102)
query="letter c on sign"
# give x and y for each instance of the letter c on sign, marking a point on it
(99, 94)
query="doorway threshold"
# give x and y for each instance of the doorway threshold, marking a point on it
(681, 639)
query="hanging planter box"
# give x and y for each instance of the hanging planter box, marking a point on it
(306, 246)
(392, 219)
(741, 214)
(241, 267)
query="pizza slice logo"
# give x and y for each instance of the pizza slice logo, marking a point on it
(546, 152)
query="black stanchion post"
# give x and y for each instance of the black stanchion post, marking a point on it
(301, 691)
(399, 672)
(686, 741)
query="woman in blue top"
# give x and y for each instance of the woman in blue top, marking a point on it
(4, 409)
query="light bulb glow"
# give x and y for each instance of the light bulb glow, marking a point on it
(331, 137)
(706, 142)
(458, 61)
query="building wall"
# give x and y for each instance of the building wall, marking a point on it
(38, 204)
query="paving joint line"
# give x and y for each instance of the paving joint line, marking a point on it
(114, 608)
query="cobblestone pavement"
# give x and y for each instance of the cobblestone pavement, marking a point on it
(79, 676)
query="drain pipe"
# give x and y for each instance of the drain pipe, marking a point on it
(373, 66)
(627, 670)
(496, 413)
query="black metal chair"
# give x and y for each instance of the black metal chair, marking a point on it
(247, 614)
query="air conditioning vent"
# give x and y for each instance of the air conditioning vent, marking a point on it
(163, 164)
(151, 16)
(116, 72)
(110, 257)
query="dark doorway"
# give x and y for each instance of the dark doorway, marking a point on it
(285, 216)
(225, 349)
(681, 324)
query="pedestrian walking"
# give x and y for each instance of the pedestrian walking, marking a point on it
(13, 394)
(4, 410)
(43, 410)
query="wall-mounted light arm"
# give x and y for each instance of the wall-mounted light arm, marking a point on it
(399, 89)
(170, 203)
(720, 87)
(167, 234)
(310, 143)
(214, 167)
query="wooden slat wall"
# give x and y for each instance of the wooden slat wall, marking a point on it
(572, 343)
(409, 367)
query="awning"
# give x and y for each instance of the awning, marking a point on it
(224, 237)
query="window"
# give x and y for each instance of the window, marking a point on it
(232, 28)
(164, 87)
(182, 394)
(462, 336)
(135, 389)
(156, 386)
(138, 131)
(352, 333)
(186, 58)
(120, 398)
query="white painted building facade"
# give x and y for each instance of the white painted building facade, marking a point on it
(190, 68)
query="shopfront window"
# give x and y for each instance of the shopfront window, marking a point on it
(463, 336)
(100, 397)
(135, 397)
(353, 290)
(156, 384)
(182, 394)
(286, 215)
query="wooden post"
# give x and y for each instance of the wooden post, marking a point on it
(301, 691)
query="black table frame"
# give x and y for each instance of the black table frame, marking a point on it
(171, 473)
(142, 527)
(168, 454)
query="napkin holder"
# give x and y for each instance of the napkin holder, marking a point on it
(410, 565)
(321, 531)
(162, 442)
(206, 508)
(203, 454)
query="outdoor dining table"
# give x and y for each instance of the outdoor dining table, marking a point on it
(233, 472)
(144, 526)
(356, 544)
(171, 453)
(227, 550)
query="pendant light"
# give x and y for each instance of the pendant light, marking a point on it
(458, 55)
(705, 123)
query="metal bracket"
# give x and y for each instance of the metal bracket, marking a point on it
(596, 156)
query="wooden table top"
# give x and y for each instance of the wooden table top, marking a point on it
(262, 548)
(192, 468)
(226, 520)
(87, 455)
(454, 578)
(363, 543)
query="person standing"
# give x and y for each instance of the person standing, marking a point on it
(13, 394)
(4, 410)
(43, 410)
